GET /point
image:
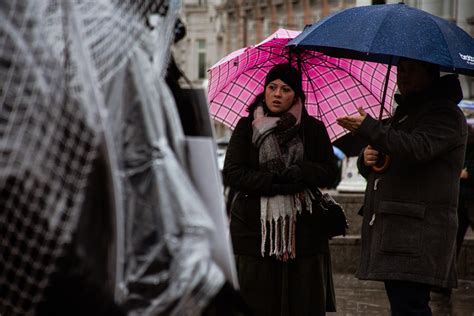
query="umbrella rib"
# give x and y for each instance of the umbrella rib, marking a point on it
(274, 55)
(303, 66)
(249, 55)
(444, 39)
(317, 101)
(335, 66)
(390, 13)
(348, 82)
(309, 54)
(268, 49)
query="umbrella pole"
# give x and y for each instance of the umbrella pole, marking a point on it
(384, 159)
(298, 61)
(384, 95)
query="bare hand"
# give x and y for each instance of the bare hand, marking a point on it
(464, 174)
(353, 122)
(370, 156)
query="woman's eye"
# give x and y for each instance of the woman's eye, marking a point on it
(286, 90)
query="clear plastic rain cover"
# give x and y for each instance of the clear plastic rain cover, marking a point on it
(82, 79)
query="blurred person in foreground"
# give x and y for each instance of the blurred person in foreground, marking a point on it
(275, 157)
(410, 218)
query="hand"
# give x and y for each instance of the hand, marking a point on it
(353, 122)
(286, 189)
(464, 174)
(292, 174)
(370, 156)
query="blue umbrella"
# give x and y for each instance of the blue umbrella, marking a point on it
(383, 33)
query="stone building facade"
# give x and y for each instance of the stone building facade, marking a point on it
(218, 27)
(249, 22)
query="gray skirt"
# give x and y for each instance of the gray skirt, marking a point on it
(300, 287)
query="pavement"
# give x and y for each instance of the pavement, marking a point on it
(359, 298)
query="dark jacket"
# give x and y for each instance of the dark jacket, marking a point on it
(409, 226)
(467, 185)
(241, 172)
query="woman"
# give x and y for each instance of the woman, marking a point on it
(275, 157)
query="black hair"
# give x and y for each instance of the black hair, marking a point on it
(259, 100)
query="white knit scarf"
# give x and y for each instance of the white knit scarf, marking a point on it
(279, 148)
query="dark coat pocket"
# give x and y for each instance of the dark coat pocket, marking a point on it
(402, 227)
(246, 209)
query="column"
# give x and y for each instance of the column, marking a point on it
(289, 17)
(273, 16)
(325, 10)
(433, 7)
(228, 43)
(465, 15)
(307, 13)
(240, 25)
(258, 22)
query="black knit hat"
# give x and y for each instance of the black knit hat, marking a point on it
(289, 75)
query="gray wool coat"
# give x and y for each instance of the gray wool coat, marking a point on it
(409, 213)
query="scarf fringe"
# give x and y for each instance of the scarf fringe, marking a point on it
(282, 229)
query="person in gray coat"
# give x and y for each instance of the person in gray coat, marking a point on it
(410, 221)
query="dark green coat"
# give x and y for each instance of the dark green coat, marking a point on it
(409, 226)
(241, 172)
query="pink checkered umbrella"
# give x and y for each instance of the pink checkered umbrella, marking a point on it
(333, 86)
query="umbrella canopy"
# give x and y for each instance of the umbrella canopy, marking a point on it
(333, 86)
(382, 32)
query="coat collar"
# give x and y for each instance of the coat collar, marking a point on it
(446, 87)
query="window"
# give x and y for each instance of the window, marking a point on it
(202, 65)
(201, 44)
(201, 49)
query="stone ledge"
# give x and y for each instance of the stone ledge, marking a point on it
(345, 254)
(352, 202)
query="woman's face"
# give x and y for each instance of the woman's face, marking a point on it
(279, 97)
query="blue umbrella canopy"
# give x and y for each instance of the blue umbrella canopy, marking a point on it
(384, 33)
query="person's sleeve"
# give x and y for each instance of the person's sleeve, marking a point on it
(469, 164)
(322, 172)
(470, 174)
(238, 172)
(438, 131)
(363, 169)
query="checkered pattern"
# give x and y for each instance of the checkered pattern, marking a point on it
(333, 86)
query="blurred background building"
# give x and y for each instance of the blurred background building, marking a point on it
(218, 27)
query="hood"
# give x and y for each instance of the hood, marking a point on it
(446, 87)
(449, 87)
